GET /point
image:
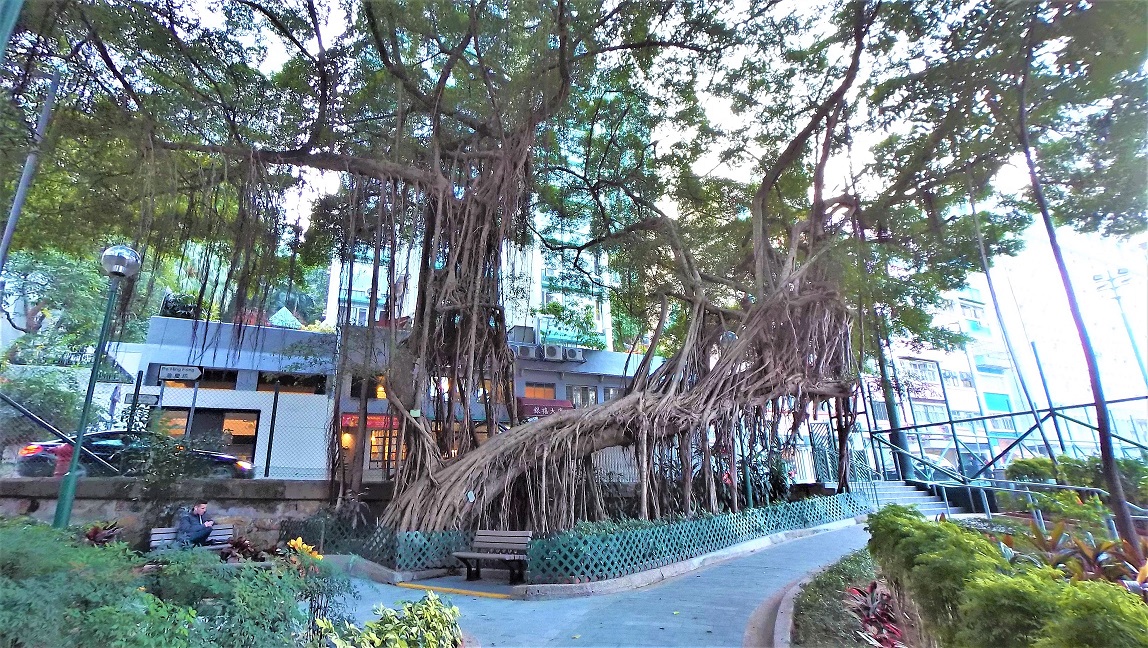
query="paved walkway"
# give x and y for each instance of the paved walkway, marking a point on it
(707, 607)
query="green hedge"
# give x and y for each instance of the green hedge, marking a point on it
(970, 596)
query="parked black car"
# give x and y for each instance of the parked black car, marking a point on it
(126, 451)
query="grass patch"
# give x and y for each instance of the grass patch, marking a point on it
(819, 614)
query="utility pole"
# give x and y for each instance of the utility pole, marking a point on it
(1113, 282)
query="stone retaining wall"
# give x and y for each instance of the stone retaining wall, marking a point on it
(255, 507)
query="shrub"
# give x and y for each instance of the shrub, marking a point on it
(55, 589)
(1096, 614)
(1088, 473)
(1006, 611)
(820, 617)
(428, 623)
(1037, 469)
(968, 596)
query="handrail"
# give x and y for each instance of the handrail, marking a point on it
(921, 459)
(1036, 509)
(1039, 485)
(989, 417)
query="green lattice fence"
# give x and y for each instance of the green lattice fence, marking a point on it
(327, 534)
(569, 557)
(409, 551)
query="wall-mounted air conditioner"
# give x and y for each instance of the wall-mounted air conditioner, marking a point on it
(574, 355)
(553, 352)
(527, 352)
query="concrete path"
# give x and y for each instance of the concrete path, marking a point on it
(708, 607)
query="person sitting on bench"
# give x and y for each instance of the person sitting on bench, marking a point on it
(193, 527)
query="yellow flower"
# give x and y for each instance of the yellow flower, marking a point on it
(301, 547)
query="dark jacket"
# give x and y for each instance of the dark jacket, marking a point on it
(189, 524)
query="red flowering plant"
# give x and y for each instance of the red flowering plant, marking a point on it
(102, 533)
(873, 609)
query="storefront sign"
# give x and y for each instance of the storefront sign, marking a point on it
(374, 421)
(535, 407)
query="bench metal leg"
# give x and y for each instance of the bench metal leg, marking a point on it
(473, 571)
(517, 571)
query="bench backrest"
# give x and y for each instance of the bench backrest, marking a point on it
(163, 536)
(505, 541)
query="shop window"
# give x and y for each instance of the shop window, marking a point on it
(385, 450)
(211, 379)
(582, 395)
(293, 383)
(215, 430)
(540, 390)
(376, 387)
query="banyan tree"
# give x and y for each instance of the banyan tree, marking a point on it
(459, 132)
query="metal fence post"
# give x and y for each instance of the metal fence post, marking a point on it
(985, 504)
(1112, 533)
(1036, 514)
(135, 402)
(271, 431)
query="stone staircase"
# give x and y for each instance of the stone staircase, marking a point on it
(898, 492)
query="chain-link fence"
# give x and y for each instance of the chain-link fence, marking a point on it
(227, 430)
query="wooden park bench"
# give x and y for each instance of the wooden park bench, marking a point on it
(505, 546)
(164, 538)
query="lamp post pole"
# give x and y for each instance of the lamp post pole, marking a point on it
(1108, 281)
(120, 262)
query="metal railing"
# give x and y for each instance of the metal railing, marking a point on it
(1059, 416)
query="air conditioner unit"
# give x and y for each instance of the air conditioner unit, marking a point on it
(574, 355)
(553, 352)
(527, 352)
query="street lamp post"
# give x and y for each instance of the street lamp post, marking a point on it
(120, 262)
(1113, 282)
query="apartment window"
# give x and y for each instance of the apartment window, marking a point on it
(582, 395)
(998, 402)
(880, 411)
(972, 312)
(540, 390)
(963, 414)
(376, 387)
(359, 315)
(610, 393)
(292, 383)
(211, 379)
(929, 413)
(923, 370)
(216, 430)
(1004, 424)
(958, 378)
(976, 328)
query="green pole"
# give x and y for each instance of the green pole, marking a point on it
(68, 484)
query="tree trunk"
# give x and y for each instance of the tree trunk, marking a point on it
(1116, 499)
(686, 458)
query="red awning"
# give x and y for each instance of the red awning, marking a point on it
(374, 421)
(530, 407)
